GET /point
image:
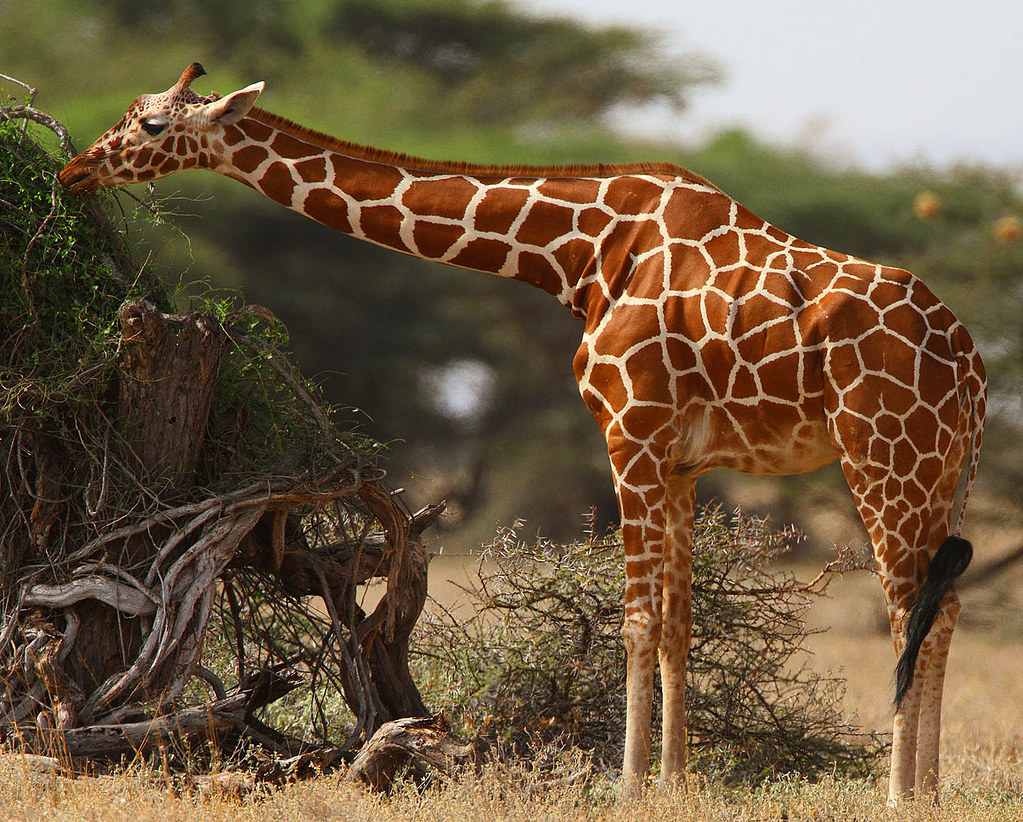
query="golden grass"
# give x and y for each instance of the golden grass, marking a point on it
(982, 760)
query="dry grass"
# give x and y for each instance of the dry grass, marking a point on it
(982, 758)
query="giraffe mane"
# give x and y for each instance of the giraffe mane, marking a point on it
(414, 163)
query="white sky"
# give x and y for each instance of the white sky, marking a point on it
(872, 81)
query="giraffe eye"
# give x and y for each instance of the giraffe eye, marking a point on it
(153, 126)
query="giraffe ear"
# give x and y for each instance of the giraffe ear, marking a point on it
(234, 106)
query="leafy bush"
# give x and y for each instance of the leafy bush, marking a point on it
(540, 662)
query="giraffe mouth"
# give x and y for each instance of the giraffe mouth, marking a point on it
(77, 176)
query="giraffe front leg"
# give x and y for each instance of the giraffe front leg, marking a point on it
(643, 538)
(676, 624)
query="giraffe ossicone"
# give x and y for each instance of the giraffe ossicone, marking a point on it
(710, 339)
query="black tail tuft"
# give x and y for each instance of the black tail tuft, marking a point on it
(950, 560)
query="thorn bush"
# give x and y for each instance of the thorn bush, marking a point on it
(540, 664)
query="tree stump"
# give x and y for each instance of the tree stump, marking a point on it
(408, 746)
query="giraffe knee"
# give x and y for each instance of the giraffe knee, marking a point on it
(642, 634)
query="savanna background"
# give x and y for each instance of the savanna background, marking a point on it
(467, 379)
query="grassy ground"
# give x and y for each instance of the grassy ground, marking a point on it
(982, 759)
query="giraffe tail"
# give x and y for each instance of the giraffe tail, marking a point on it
(974, 392)
(951, 559)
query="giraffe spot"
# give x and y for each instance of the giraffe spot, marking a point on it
(499, 209)
(897, 398)
(233, 135)
(924, 426)
(852, 317)
(632, 195)
(191, 145)
(592, 221)
(362, 180)
(606, 381)
(715, 310)
(277, 183)
(780, 378)
(647, 372)
(326, 207)
(181, 145)
(254, 130)
(685, 320)
(893, 488)
(570, 190)
(885, 294)
(904, 455)
(776, 233)
(574, 255)
(681, 354)
(313, 170)
(639, 421)
(862, 401)
(906, 320)
(641, 568)
(746, 220)
(892, 356)
(168, 145)
(537, 270)
(744, 384)
(288, 147)
(382, 224)
(143, 157)
(888, 426)
(447, 197)
(545, 223)
(929, 472)
(483, 254)
(720, 360)
(843, 366)
(434, 239)
(724, 249)
(249, 158)
(925, 299)
(631, 320)
(689, 268)
(169, 166)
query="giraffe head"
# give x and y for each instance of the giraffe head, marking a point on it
(158, 135)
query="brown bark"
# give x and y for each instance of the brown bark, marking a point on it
(168, 373)
(168, 368)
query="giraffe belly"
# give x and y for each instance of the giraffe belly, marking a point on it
(765, 443)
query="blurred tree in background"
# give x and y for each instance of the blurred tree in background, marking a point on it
(468, 377)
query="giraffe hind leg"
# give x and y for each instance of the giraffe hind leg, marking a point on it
(948, 563)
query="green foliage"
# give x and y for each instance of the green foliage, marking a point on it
(539, 660)
(63, 274)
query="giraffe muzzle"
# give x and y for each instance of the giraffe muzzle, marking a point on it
(78, 177)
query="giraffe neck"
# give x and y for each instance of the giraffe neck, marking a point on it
(544, 226)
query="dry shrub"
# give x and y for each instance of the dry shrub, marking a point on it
(540, 666)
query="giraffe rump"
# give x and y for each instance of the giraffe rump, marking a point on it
(949, 562)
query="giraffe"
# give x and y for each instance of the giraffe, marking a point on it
(710, 339)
